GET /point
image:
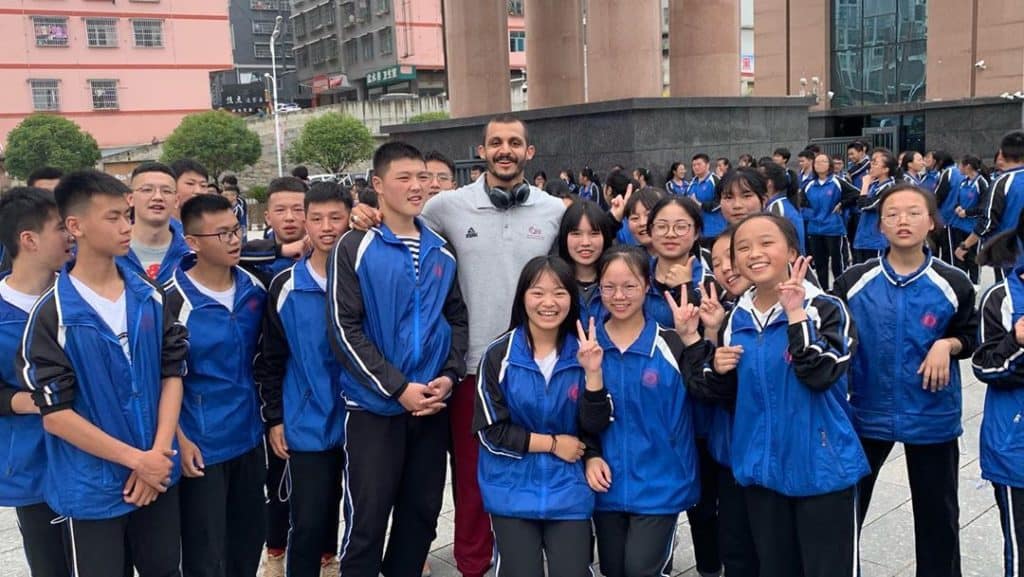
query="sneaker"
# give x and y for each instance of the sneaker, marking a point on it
(273, 566)
(332, 568)
(427, 572)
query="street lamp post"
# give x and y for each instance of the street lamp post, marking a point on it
(273, 69)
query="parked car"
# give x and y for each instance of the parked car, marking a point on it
(286, 107)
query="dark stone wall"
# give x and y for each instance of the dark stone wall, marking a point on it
(972, 128)
(649, 132)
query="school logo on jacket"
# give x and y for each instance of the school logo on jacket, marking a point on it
(649, 378)
(535, 233)
(574, 392)
(471, 233)
(787, 357)
(929, 320)
(438, 270)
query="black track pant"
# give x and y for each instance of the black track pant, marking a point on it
(315, 500)
(810, 536)
(522, 544)
(828, 256)
(149, 537)
(1010, 501)
(634, 545)
(932, 471)
(395, 468)
(223, 519)
(738, 553)
(277, 502)
(861, 255)
(970, 263)
(703, 516)
(43, 541)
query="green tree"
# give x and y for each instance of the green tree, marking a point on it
(333, 141)
(49, 140)
(218, 139)
(428, 117)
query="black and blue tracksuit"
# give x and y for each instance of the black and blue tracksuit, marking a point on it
(705, 192)
(870, 240)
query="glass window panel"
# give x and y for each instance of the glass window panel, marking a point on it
(45, 94)
(879, 7)
(846, 24)
(50, 31)
(880, 30)
(912, 58)
(879, 75)
(913, 20)
(846, 78)
(104, 94)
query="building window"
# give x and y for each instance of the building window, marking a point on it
(363, 14)
(517, 41)
(262, 26)
(878, 52)
(261, 50)
(383, 6)
(351, 52)
(101, 32)
(301, 58)
(104, 94)
(299, 25)
(327, 14)
(50, 31)
(348, 13)
(331, 47)
(386, 40)
(148, 33)
(367, 44)
(45, 94)
(318, 53)
(268, 4)
(515, 7)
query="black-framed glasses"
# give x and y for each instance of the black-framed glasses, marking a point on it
(224, 236)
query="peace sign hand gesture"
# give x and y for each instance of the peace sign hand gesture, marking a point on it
(618, 204)
(712, 313)
(590, 353)
(685, 316)
(792, 292)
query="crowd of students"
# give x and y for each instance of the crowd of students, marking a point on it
(182, 400)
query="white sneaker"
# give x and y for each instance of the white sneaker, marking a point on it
(273, 566)
(331, 569)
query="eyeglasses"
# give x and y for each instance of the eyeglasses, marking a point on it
(441, 177)
(224, 236)
(629, 291)
(912, 218)
(661, 228)
(151, 190)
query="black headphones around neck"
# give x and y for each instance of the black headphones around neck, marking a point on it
(504, 199)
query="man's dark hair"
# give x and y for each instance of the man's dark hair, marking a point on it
(229, 180)
(436, 156)
(183, 165)
(479, 168)
(813, 148)
(201, 204)
(783, 152)
(725, 161)
(807, 153)
(44, 173)
(390, 152)
(505, 118)
(322, 192)
(286, 184)
(701, 156)
(301, 172)
(24, 208)
(618, 181)
(79, 187)
(153, 167)
(1012, 146)
(368, 196)
(214, 186)
(857, 145)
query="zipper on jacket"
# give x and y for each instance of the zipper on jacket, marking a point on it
(136, 394)
(767, 409)
(622, 438)
(897, 393)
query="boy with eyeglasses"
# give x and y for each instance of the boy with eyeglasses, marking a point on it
(220, 432)
(442, 171)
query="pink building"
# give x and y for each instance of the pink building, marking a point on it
(126, 71)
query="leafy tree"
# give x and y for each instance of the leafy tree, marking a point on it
(49, 140)
(218, 139)
(428, 117)
(333, 141)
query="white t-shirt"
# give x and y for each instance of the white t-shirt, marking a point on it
(19, 299)
(547, 365)
(151, 257)
(225, 298)
(113, 313)
(321, 281)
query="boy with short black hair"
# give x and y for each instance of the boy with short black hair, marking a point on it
(298, 379)
(285, 218)
(45, 177)
(399, 326)
(192, 178)
(104, 361)
(157, 243)
(39, 246)
(220, 433)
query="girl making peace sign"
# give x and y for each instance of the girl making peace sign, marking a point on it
(785, 348)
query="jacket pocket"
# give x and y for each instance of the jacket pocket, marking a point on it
(9, 460)
(1013, 437)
